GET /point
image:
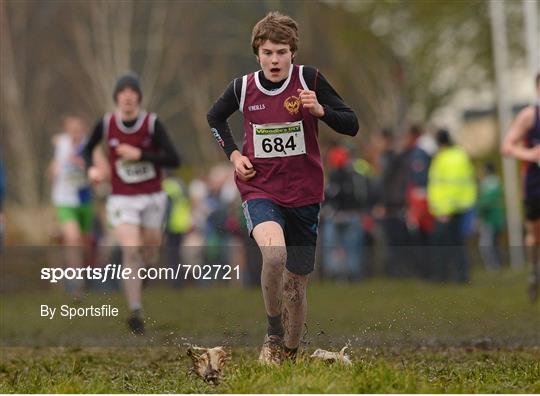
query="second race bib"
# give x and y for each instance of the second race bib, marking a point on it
(76, 177)
(279, 140)
(135, 171)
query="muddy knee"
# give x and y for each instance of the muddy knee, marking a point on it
(131, 257)
(150, 256)
(274, 258)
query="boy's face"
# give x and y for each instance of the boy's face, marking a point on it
(275, 60)
(127, 101)
(75, 128)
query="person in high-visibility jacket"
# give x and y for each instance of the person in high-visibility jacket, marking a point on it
(451, 194)
(178, 221)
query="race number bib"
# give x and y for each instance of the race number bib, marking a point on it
(279, 140)
(76, 178)
(135, 171)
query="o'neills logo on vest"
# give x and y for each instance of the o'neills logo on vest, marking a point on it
(256, 107)
(292, 104)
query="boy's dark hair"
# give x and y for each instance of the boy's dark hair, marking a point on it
(276, 27)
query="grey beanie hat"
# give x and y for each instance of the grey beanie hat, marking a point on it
(130, 80)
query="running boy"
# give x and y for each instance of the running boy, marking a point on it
(523, 143)
(279, 171)
(138, 147)
(71, 195)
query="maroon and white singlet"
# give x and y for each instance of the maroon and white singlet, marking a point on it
(132, 177)
(280, 140)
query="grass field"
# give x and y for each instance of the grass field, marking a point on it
(159, 370)
(405, 336)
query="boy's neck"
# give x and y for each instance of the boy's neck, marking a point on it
(270, 85)
(127, 117)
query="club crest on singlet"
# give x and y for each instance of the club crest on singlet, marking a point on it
(279, 140)
(292, 104)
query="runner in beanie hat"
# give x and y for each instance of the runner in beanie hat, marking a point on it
(129, 80)
(138, 147)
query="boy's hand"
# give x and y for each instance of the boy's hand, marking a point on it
(95, 175)
(309, 101)
(128, 152)
(242, 166)
(536, 154)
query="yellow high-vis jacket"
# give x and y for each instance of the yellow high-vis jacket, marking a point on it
(451, 182)
(179, 220)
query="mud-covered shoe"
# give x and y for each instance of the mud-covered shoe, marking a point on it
(272, 350)
(290, 354)
(136, 322)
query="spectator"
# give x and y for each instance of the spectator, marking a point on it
(451, 193)
(391, 204)
(178, 221)
(346, 195)
(491, 215)
(419, 219)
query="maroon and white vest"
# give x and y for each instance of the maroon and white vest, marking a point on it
(132, 177)
(280, 140)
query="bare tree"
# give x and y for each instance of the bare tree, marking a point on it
(102, 38)
(16, 126)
